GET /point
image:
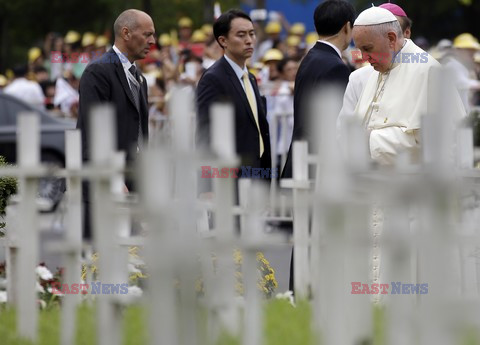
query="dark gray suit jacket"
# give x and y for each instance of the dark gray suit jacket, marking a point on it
(220, 83)
(104, 81)
(321, 66)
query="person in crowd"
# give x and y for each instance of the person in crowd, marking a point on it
(185, 31)
(24, 89)
(461, 64)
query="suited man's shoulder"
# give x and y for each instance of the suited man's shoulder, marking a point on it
(212, 76)
(104, 62)
(217, 69)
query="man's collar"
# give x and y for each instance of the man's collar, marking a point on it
(239, 71)
(122, 57)
(333, 46)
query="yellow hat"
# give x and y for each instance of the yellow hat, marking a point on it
(9, 74)
(272, 55)
(34, 53)
(3, 80)
(297, 29)
(311, 38)
(293, 41)
(185, 22)
(165, 40)
(207, 29)
(198, 36)
(273, 28)
(101, 41)
(72, 37)
(466, 41)
(88, 39)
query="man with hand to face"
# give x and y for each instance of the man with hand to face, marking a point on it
(229, 80)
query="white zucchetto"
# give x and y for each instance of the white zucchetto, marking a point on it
(374, 16)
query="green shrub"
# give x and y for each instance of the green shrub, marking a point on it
(8, 186)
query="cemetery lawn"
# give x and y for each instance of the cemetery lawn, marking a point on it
(284, 325)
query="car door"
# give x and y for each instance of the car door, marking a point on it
(8, 127)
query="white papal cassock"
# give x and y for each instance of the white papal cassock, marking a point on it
(393, 102)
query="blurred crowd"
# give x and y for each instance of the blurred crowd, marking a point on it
(50, 80)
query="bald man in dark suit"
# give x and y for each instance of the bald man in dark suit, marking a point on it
(113, 78)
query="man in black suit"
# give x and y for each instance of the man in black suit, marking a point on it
(322, 66)
(113, 78)
(228, 80)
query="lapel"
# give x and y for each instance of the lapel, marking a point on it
(238, 87)
(320, 47)
(122, 77)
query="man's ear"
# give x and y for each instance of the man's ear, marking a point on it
(392, 39)
(347, 28)
(222, 40)
(125, 33)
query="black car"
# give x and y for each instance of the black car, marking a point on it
(52, 142)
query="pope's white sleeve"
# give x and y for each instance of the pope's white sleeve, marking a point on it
(387, 143)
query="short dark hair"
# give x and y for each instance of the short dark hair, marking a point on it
(282, 63)
(331, 15)
(20, 70)
(39, 69)
(222, 25)
(405, 23)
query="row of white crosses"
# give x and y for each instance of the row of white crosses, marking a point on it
(331, 231)
(22, 242)
(168, 203)
(437, 245)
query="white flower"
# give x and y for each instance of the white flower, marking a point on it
(43, 304)
(133, 269)
(288, 295)
(39, 288)
(135, 291)
(3, 296)
(43, 273)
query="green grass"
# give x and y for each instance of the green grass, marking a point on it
(284, 325)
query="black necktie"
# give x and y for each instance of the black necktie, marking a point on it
(135, 88)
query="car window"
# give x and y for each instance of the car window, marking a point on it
(7, 116)
(13, 109)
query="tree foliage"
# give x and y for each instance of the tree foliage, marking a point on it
(24, 23)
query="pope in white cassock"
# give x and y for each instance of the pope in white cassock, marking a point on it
(359, 77)
(395, 95)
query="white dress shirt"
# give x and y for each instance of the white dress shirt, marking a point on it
(26, 90)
